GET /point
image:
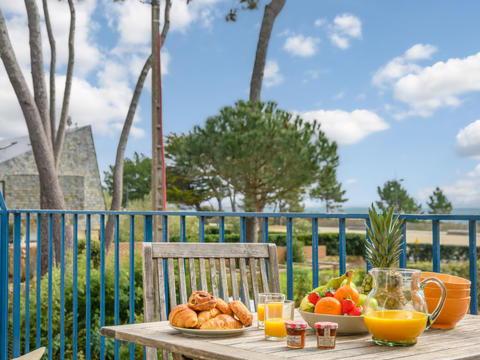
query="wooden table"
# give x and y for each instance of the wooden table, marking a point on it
(463, 342)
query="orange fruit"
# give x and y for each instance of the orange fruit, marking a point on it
(347, 292)
(328, 305)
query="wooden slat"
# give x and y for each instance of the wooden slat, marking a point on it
(263, 275)
(233, 278)
(253, 277)
(148, 295)
(182, 281)
(244, 283)
(161, 289)
(217, 250)
(193, 276)
(213, 277)
(171, 283)
(223, 279)
(273, 269)
(203, 275)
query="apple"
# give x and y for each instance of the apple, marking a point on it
(362, 299)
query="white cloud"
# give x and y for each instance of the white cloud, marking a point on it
(320, 22)
(468, 140)
(439, 85)
(340, 41)
(350, 181)
(272, 74)
(462, 193)
(403, 65)
(420, 52)
(299, 45)
(344, 28)
(345, 127)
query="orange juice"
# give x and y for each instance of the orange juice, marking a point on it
(261, 312)
(275, 327)
(275, 309)
(398, 326)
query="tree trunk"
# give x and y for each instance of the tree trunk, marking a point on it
(50, 190)
(271, 11)
(53, 61)
(68, 86)
(117, 191)
(36, 64)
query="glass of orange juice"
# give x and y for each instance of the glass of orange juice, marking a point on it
(262, 299)
(276, 313)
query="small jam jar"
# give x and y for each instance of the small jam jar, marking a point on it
(296, 333)
(326, 334)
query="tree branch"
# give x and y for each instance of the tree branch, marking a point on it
(53, 60)
(68, 86)
(36, 63)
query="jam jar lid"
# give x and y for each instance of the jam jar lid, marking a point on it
(325, 324)
(296, 324)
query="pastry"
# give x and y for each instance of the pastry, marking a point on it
(241, 312)
(223, 307)
(201, 301)
(221, 322)
(182, 316)
(230, 321)
(204, 316)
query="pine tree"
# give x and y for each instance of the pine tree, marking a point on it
(439, 203)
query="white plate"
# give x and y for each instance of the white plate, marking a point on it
(212, 333)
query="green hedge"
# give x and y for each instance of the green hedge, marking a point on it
(94, 285)
(423, 252)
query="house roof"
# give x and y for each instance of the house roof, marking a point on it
(13, 147)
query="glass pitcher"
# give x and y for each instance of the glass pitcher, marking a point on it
(395, 311)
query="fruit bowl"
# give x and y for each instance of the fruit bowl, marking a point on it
(347, 325)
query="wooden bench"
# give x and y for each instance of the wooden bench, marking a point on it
(253, 260)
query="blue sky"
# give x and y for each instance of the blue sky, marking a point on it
(394, 83)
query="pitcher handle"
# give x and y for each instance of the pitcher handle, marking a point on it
(433, 316)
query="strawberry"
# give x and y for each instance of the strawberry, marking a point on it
(347, 306)
(329, 294)
(356, 311)
(313, 298)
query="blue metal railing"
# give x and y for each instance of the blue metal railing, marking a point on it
(10, 340)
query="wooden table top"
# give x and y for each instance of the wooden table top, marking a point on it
(459, 343)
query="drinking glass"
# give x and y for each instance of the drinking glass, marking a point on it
(262, 299)
(276, 313)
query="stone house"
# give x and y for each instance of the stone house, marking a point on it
(78, 173)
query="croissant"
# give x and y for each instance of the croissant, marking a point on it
(221, 322)
(204, 316)
(182, 316)
(223, 307)
(241, 312)
(201, 301)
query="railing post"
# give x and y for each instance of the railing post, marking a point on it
(314, 253)
(3, 279)
(472, 252)
(436, 245)
(289, 258)
(342, 246)
(403, 255)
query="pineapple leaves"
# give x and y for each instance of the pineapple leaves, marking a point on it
(385, 233)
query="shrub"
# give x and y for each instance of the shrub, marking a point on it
(423, 252)
(94, 285)
(298, 254)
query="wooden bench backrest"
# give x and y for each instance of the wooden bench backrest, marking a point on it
(253, 260)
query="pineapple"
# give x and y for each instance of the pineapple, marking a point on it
(383, 251)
